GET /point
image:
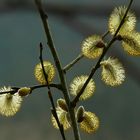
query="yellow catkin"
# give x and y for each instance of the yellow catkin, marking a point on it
(49, 69)
(92, 47)
(113, 73)
(131, 43)
(78, 83)
(116, 17)
(9, 103)
(90, 123)
(63, 119)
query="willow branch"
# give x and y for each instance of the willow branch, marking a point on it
(44, 18)
(57, 86)
(15, 89)
(67, 67)
(76, 99)
(105, 34)
(50, 96)
(12, 91)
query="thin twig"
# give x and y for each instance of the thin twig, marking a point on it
(12, 91)
(50, 96)
(58, 86)
(76, 99)
(79, 57)
(15, 89)
(105, 34)
(67, 67)
(59, 68)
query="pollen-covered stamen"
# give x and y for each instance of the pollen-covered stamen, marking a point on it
(9, 96)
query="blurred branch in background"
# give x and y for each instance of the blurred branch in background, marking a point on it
(61, 10)
(70, 14)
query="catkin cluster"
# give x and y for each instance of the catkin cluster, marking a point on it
(92, 47)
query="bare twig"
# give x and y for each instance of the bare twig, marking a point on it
(67, 67)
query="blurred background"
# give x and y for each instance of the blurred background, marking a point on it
(71, 21)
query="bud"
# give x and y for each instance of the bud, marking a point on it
(62, 104)
(100, 44)
(80, 114)
(24, 91)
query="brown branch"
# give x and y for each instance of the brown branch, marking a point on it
(12, 91)
(15, 89)
(58, 86)
(67, 67)
(50, 96)
(59, 68)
